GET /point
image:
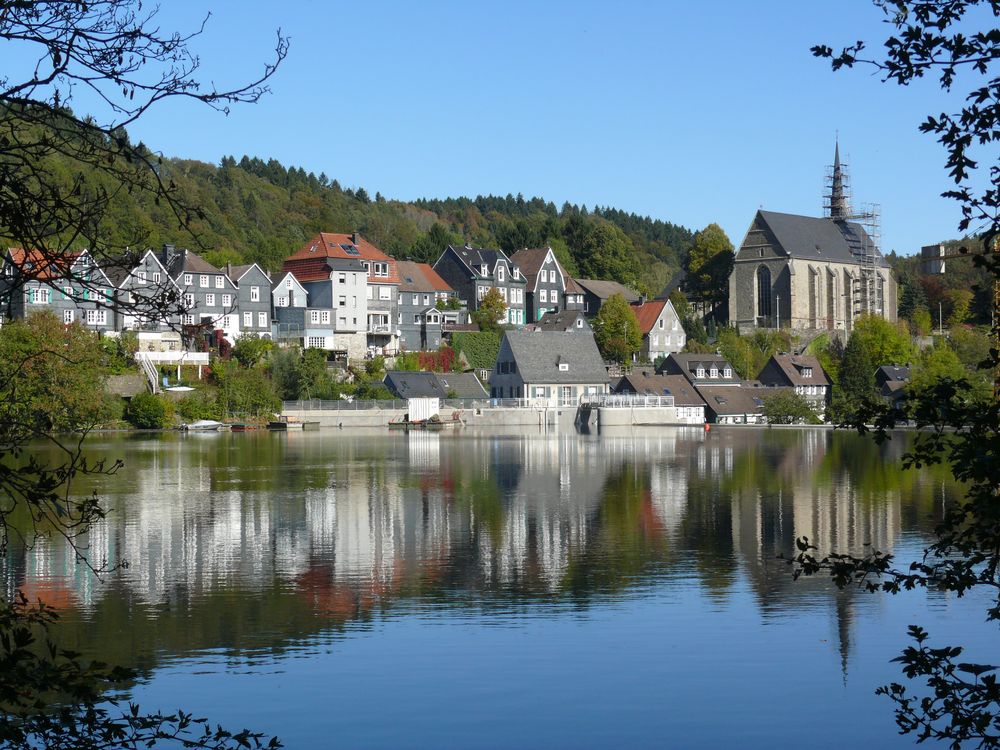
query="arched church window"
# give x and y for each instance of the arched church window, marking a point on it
(763, 292)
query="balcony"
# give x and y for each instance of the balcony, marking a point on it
(380, 328)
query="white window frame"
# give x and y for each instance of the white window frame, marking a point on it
(262, 319)
(220, 282)
(209, 300)
(255, 294)
(203, 280)
(189, 281)
(247, 319)
(227, 300)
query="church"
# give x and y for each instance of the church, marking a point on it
(812, 274)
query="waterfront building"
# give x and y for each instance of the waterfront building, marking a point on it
(253, 298)
(423, 306)
(208, 295)
(688, 402)
(660, 325)
(803, 373)
(701, 369)
(555, 368)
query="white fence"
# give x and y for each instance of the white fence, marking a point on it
(627, 400)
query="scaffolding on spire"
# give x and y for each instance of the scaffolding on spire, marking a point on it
(866, 293)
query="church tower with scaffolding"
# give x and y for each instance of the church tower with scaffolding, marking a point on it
(811, 274)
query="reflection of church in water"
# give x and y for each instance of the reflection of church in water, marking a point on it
(530, 514)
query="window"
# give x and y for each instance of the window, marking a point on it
(288, 283)
(188, 280)
(500, 273)
(140, 277)
(203, 280)
(342, 278)
(342, 300)
(324, 317)
(503, 293)
(480, 292)
(673, 324)
(210, 300)
(399, 319)
(67, 292)
(227, 300)
(554, 297)
(727, 373)
(384, 292)
(247, 319)
(255, 294)
(432, 318)
(315, 342)
(262, 320)
(544, 295)
(354, 302)
(807, 372)
(371, 292)
(281, 302)
(189, 301)
(97, 317)
(656, 339)
(427, 299)
(416, 319)
(416, 299)
(156, 277)
(763, 292)
(579, 322)
(564, 367)
(67, 316)
(314, 316)
(661, 324)
(226, 322)
(219, 283)
(713, 372)
(544, 275)
(189, 320)
(700, 372)
(399, 299)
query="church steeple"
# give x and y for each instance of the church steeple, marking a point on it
(839, 210)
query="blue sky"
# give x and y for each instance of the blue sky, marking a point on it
(688, 112)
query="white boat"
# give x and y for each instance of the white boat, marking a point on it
(204, 425)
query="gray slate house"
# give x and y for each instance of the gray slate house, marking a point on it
(208, 296)
(891, 381)
(419, 320)
(688, 402)
(147, 298)
(596, 292)
(406, 384)
(287, 291)
(472, 272)
(253, 298)
(567, 320)
(548, 368)
(545, 290)
(725, 405)
(801, 372)
(701, 369)
(72, 286)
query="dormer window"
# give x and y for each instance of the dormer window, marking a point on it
(484, 270)
(713, 372)
(700, 372)
(500, 273)
(564, 367)
(807, 372)
(579, 322)
(727, 373)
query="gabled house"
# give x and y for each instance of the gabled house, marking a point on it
(567, 320)
(70, 285)
(287, 291)
(891, 381)
(374, 304)
(596, 292)
(472, 272)
(574, 298)
(423, 306)
(801, 372)
(660, 325)
(701, 369)
(253, 295)
(545, 282)
(146, 297)
(408, 384)
(208, 296)
(551, 368)
(689, 404)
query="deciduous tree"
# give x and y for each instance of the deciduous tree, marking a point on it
(491, 312)
(616, 330)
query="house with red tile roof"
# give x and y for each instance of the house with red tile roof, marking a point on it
(328, 258)
(70, 285)
(662, 332)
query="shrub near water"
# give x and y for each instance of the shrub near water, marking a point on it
(148, 412)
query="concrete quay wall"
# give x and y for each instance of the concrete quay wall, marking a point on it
(492, 417)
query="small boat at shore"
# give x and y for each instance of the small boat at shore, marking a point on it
(204, 425)
(243, 427)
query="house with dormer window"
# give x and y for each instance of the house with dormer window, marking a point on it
(548, 368)
(426, 304)
(472, 272)
(701, 369)
(374, 304)
(801, 372)
(208, 296)
(146, 295)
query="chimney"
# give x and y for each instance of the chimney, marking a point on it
(355, 237)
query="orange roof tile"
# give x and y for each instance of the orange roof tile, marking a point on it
(647, 313)
(41, 265)
(331, 245)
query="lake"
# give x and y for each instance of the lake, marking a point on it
(472, 590)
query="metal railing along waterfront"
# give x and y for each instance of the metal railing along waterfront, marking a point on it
(447, 403)
(627, 400)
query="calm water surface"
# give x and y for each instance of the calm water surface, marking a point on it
(475, 590)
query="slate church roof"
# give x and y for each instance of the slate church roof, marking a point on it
(817, 239)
